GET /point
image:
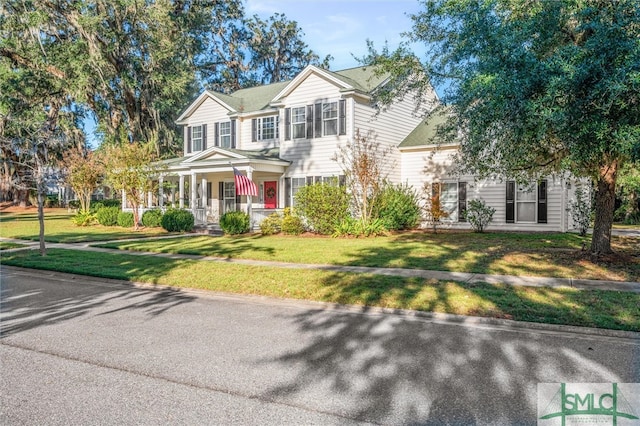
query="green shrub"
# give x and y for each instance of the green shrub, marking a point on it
(632, 219)
(234, 223)
(271, 224)
(125, 219)
(111, 203)
(323, 206)
(398, 207)
(354, 227)
(152, 218)
(83, 219)
(96, 206)
(291, 223)
(74, 204)
(108, 216)
(479, 215)
(51, 200)
(177, 220)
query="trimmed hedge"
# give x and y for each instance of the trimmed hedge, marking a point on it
(177, 220)
(108, 216)
(125, 219)
(152, 218)
(234, 223)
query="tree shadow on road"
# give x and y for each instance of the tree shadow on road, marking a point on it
(38, 304)
(394, 369)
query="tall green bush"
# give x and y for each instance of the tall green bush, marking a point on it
(271, 224)
(152, 218)
(178, 220)
(235, 223)
(397, 206)
(108, 216)
(323, 206)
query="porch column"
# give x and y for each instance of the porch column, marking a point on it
(149, 199)
(194, 192)
(160, 192)
(249, 175)
(181, 193)
(205, 201)
(124, 200)
(173, 194)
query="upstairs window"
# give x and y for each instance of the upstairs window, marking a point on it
(225, 134)
(330, 119)
(298, 122)
(196, 138)
(265, 128)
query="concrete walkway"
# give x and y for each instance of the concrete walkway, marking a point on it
(465, 277)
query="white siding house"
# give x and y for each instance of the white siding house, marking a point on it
(284, 136)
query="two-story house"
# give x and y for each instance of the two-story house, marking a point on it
(285, 135)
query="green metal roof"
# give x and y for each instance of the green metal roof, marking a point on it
(425, 132)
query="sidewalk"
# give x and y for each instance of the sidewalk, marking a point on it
(465, 277)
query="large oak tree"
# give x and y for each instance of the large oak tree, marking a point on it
(535, 87)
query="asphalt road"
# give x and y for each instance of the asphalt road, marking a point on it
(81, 351)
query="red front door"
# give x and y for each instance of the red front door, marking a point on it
(270, 195)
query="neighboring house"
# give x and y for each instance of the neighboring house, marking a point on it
(283, 136)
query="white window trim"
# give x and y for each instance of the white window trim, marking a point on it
(533, 187)
(276, 128)
(336, 118)
(449, 218)
(303, 122)
(193, 138)
(221, 135)
(293, 193)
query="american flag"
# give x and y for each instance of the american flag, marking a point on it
(244, 185)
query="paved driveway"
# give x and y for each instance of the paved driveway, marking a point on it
(86, 351)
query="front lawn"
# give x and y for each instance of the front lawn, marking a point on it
(533, 254)
(59, 228)
(604, 309)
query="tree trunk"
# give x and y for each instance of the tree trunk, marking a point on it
(604, 206)
(43, 249)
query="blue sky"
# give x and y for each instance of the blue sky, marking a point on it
(341, 27)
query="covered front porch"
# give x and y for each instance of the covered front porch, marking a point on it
(205, 184)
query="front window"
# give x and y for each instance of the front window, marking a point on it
(225, 134)
(296, 185)
(229, 197)
(196, 138)
(298, 122)
(526, 203)
(330, 118)
(449, 200)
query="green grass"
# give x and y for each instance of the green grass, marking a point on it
(5, 245)
(604, 309)
(534, 254)
(59, 228)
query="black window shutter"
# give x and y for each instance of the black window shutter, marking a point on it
(342, 180)
(462, 201)
(287, 192)
(277, 130)
(188, 139)
(287, 124)
(216, 128)
(204, 137)
(233, 134)
(309, 121)
(209, 194)
(342, 113)
(221, 197)
(254, 130)
(511, 198)
(542, 201)
(318, 122)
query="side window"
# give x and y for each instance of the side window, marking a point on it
(298, 122)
